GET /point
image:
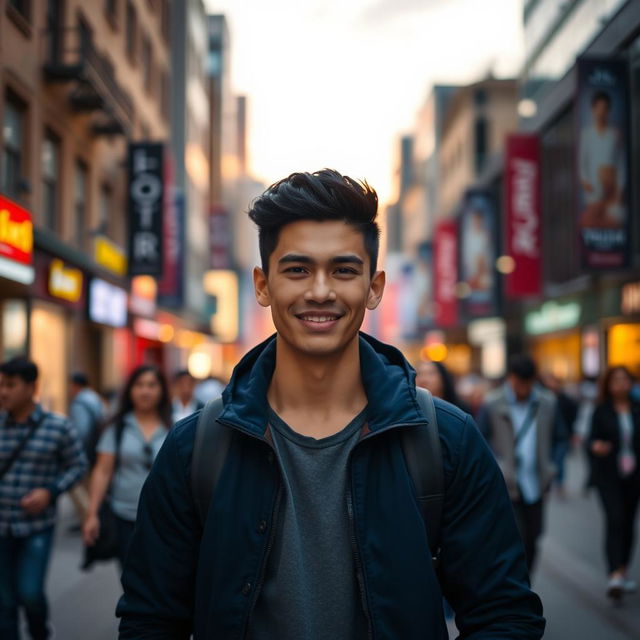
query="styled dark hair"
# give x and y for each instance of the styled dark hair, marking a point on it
(125, 405)
(601, 95)
(20, 367)
(79, 378)
(522, 366)
(323, 195)
(181, 374)
(604, 391)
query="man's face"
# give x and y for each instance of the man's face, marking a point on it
(600, 110)
(184, 387)
(319, 286)
(15, 393)
(521, 388)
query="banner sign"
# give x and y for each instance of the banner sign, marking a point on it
(146, 198)
(16, 242)
(107, 303)
(446, 274)
(219, 238)
(522, 221)
(602, 116)
(478, 254)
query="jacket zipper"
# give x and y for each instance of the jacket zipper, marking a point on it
(354, 537)
(274, 518)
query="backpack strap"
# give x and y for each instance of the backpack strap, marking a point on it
(210, 449)
(423, 457)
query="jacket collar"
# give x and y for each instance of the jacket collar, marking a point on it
(388, 380)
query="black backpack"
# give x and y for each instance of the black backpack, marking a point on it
(421, 448)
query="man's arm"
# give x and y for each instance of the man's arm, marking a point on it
(484, 573)
(159, 575)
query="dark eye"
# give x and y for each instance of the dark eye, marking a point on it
(346, 271)
(296, 270)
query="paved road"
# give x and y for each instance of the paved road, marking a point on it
(570, 579)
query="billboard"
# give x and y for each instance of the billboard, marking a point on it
(446, 274)
(146, 208)
(478, 254)
(603, 204)
(522, 232)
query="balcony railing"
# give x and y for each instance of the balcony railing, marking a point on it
(70, 56)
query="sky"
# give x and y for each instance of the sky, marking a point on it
(336, 83)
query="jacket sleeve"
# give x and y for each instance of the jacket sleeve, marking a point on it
(483, 571)
(159, 575)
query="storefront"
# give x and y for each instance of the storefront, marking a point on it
(623, 331)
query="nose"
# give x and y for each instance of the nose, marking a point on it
(320, 289)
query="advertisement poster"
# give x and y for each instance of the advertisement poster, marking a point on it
(602, 162)
(478, 254)
(446, 274)
(146, 208)
(522, 231)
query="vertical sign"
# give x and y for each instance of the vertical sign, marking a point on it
(478, 254)
(522, 219)
(602, 116)
(219, 238)
(146, 198)
(446, 274)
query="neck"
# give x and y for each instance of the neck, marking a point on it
(22, 413)
(622, 403)
(146, 415)
(323, 385)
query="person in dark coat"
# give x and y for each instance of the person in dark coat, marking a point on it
(614, 442)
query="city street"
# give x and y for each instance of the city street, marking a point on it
(570, 579)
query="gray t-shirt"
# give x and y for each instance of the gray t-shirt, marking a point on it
(135, 459)
(310, 590)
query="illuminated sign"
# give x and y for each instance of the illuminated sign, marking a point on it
(552, 316)
(16, 242)
(65, 282)
(143, 296)
(110, 256)
(631, 298)
(107, 303)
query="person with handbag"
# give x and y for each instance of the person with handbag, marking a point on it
(125, 453)
(614, 443)
(40, 457)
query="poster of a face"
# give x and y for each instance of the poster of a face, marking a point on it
(477, 259)
(602, 163)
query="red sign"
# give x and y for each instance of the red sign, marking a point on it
(16, 232)
(445, 257)
(522, 220)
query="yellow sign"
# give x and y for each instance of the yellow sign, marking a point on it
(110, 256)
(223, 285)
(65, 282)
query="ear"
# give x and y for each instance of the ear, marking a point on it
(376, 289)
(261, 287)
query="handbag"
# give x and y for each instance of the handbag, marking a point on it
(105, 547)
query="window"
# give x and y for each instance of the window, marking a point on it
(146, 63)
(165, 96)
(104, 209)
(131, 33)
(481, 143)
(23, 7)
(111, 11)
(80, 204)
(14, 142)
(50, 180)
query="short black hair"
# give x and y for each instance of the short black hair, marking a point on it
(522, 366)
(319, 196)
(181, 374)
(20, 367)
(600, 95)
(79, 378)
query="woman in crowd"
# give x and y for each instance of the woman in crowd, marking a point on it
(435, 377)
(126, 451)
(614, 443)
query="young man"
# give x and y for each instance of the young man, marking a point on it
(184, 402)
(40, 458)
(314, 530)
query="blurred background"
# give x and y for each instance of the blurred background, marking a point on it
(135, 133)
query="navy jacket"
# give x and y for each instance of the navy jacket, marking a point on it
(181, 579)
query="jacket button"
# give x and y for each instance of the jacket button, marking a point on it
(262, 526)
(246, 588)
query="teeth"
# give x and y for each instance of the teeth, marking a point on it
(318, 318)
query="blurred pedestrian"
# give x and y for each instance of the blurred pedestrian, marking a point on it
(40, 457)
(184, 402)
(521, 422)
(126, 451)
(208, 389)
(86, 413)
(614, 442)
(435, 377)
(568, 409)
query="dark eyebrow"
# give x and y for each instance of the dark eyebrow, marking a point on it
(295, 257)
(347, 259)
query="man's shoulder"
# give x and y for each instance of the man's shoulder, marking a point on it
(182, 435)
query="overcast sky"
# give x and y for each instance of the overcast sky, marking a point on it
(334, 84)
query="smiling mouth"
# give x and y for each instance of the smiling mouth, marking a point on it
(318, 319)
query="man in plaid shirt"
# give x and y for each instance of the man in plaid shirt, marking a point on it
(50, 461)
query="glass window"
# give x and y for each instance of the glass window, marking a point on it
(131, 29)
(12, 156)
(481, 139)
(21, 6)
(146, 62)
(104, 209)
(50, 180)
(80, 204)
